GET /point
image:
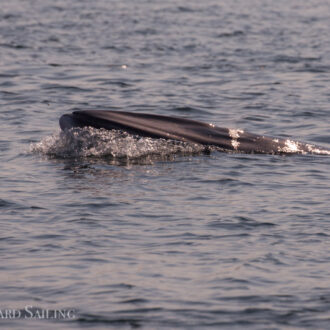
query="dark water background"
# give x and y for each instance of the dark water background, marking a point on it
(183, 241)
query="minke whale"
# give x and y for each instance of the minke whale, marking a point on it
(186, 130)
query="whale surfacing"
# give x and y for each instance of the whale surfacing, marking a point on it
(186, 130)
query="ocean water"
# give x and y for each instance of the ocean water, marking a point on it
(114, 231)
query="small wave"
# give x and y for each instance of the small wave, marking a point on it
(92, 142)
(294, 59)
(4, 203)
(230, 34)
(64, 87)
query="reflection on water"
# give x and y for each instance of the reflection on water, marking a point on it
(155, 234)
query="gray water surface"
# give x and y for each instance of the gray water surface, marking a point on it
(161, 235)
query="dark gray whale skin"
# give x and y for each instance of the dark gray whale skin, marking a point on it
(181, 129)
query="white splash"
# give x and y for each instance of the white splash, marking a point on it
(235, 134)
(291, 147)
(92, 142)
(297, 147)
(315, 150)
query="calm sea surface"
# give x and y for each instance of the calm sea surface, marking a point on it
(142, 235)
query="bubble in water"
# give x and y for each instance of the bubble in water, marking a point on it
(92, 142)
